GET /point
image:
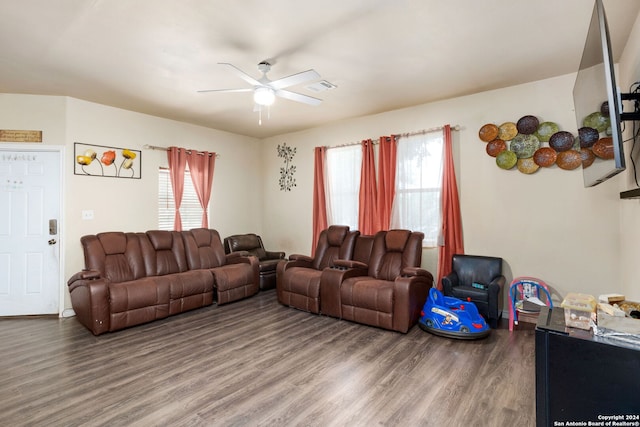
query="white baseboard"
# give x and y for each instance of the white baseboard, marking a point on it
(68, 312)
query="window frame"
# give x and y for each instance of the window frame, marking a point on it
(430, 158)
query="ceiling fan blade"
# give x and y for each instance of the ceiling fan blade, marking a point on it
(298, 97)
(294, 79)
(226, 90)
(244, 76)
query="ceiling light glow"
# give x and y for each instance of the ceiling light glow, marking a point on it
(264, 96)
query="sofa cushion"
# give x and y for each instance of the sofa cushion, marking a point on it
(231, 275)
(126, 296)
(368, 293)
(243, 242)
(369, 301)
(259, 252)
(115, 255)
(464, 292)
(336, 242)
(388, 255)
(250, 242)
(300, 288)
(163, 252)
(189, 290)
(234, 282)
(203, 248)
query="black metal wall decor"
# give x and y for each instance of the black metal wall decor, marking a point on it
(99, 160)
(287, 180)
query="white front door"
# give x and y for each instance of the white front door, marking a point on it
(29, 232)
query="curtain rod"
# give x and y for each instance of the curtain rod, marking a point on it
(423, 131)
(418, 132)
(155, 147)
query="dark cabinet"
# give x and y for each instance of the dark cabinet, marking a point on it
(583, 379)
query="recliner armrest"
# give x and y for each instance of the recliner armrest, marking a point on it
(330, 283)
(274, 255)
(410, 294)
(416, 271)
(90, 301)
(298, 257)
(348, 263)
(449, 282)
(239, 256)
(84, 275)
(497, 283)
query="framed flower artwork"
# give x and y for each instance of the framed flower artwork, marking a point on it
(98, 160)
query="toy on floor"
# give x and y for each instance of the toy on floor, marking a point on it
(451, 317)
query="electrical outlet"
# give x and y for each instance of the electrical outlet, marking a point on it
(88, 214)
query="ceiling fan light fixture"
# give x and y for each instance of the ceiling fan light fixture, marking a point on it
(264, 96)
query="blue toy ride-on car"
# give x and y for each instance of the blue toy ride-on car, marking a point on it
(451, 317)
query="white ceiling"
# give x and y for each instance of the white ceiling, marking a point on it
(152, 56)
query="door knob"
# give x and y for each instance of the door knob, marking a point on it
(52, 242)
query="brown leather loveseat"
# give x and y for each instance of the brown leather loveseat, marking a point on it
(134, 278)
(374, 280)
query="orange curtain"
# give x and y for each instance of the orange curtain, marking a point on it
(386, 179)
(368, 221)
(319, 197)
(201, 166)
(451, 218)
(177, 161)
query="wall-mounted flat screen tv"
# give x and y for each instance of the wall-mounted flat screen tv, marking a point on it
(597, 105)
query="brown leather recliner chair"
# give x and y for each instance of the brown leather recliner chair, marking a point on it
(394, 289)
(298, 279)
(268, 260)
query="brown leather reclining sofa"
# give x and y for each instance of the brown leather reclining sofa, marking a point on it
(373, 280)
(134, 278)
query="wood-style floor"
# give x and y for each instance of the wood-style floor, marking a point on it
(258, 363)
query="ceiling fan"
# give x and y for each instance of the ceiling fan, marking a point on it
(265, 90)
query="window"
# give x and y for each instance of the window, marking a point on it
(343, 185)
(190, 209)
(417, 205)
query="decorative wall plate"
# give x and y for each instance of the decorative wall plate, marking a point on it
(507, 131)
(527, 166)
(506, 159)
(569, 160)
(545, 130)
(561, 141)
(545, 156)
(488, 132)
(496, 146)
(524, 145)
(527, 125)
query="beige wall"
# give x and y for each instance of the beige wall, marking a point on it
(545, 225)
(130, 204)
(630, 209)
